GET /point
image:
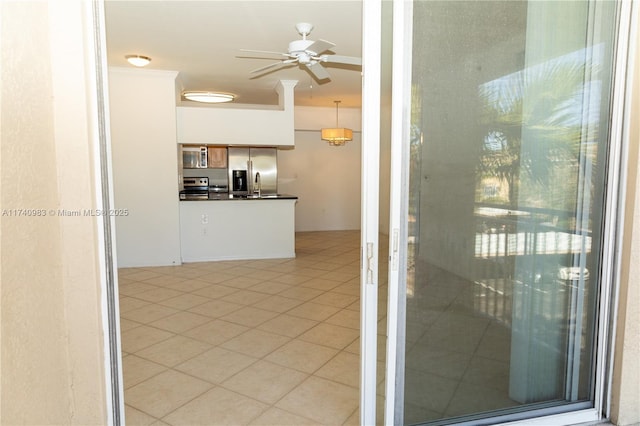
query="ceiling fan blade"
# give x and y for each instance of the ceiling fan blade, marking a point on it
(275, 64)
(318, 71)
(265, 51)
(337, 59)
(320, 46)
(281, 63)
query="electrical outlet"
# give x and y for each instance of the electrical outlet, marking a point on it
(205, 219)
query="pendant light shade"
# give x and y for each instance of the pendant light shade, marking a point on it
(337, 136)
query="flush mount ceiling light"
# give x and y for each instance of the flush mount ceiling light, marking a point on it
(209, 97)
(138, 60)
(337, 136)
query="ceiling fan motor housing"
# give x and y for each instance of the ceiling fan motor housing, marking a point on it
(300, 46)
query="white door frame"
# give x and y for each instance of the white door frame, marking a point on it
(370, 163)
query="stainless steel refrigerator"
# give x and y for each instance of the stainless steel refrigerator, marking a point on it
(253, 161)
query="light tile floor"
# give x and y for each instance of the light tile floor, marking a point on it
(260, 342)
(276, 342)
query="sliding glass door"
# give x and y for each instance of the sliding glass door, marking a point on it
(500, 164)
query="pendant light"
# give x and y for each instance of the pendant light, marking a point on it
(337, 136)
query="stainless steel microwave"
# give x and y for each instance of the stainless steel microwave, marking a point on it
(194, 157)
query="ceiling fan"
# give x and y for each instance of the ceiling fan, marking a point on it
(307, 53)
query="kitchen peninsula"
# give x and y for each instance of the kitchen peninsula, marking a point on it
(230, 207)
(241, 228)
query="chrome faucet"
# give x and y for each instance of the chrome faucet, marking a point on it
(257, 188)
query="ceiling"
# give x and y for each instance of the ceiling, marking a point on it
(202, 41)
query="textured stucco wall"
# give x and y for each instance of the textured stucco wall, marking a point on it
(625, 407)
(51, 347)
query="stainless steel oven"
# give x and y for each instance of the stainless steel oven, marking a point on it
(195, 188)
(198, 188)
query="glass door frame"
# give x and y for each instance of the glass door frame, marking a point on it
(611, 238)
(370, 187)
(402, 30)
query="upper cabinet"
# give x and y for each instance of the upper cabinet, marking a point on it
(217, 158)
(218, 125)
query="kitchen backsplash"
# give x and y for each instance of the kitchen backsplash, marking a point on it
(216, 176)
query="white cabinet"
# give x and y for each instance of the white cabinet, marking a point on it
(220, 125)
(242, 229)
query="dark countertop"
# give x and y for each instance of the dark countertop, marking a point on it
(214, 196)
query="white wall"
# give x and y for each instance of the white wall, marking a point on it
(385, 167)
(145, 166)
(221, 124)
(325, 178)
(316, 118)
(385, 116)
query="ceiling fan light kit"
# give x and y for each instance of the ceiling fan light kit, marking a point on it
(208, 97)
(336, 136)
